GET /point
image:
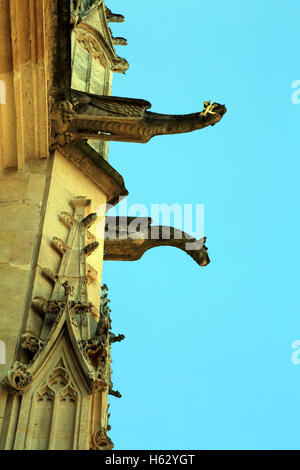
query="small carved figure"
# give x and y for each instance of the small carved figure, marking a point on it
(102, 328)
(31, 342)
(115, 338)
(69, 290)
(75, 9)
(95, 351)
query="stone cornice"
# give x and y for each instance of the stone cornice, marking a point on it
(98, 170)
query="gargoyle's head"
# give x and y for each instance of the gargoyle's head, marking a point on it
(200, 256)
(213, 112)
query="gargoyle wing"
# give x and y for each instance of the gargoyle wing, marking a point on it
(113, 105)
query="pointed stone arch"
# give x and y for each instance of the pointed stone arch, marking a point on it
(55, 409)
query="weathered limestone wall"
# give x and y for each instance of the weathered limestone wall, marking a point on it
(21, 198)
(21, 211)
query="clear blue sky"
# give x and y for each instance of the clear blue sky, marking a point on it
(206, 363)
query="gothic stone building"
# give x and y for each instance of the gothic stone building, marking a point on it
(57, 116)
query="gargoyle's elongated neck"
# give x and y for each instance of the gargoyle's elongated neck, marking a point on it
(160, 235)
(176, 124)
(169, 236)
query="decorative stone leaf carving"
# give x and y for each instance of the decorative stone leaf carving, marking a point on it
(31, 342)
(60, 245)
(89, 249)
(68, 219)
(101, 441)
(89, 220)
(18, 378)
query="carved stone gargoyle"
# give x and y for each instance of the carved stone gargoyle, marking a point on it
(128, 238)
(85, 116)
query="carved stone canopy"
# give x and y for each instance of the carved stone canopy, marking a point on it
(85, 116)
(128, 238)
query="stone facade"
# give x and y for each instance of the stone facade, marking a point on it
(57, 61)
(56, 379)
